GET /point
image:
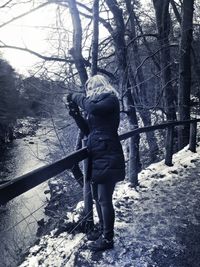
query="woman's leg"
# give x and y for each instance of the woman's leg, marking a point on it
(94, 188)
(105, 193)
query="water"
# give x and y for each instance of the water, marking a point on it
(19, 218)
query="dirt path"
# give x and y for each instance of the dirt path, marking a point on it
(158, 226)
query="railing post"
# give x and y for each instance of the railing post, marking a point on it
(169, 145)
(87, 194)
(133, 160)
(193, 134)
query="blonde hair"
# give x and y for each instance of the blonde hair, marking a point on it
(98, 84)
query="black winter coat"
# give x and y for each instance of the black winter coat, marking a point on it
(106, 159)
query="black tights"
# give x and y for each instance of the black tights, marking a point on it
(102, 194)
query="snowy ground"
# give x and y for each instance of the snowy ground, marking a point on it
(156, 225)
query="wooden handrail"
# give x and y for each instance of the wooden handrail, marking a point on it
(18, 186)
(155, 127)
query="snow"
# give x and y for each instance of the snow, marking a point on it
(150, 220)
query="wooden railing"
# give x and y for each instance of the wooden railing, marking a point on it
(18, 186)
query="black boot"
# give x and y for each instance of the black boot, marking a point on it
(101, 244)
(94, 233)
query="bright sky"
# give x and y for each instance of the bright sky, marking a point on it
(27, 32)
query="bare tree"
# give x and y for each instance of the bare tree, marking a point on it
(138, 84)
(185, 69)
(118, 35)
(163, 26)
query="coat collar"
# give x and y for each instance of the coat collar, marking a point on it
(97, 98)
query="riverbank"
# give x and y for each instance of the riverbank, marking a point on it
(37, 144)
(26, 127)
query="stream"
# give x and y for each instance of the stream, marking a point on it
(19, 218)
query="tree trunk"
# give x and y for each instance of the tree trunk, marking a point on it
(139, 85)
(76, 50)
(120, 53)
(95, 37)
(134, 165)
(163, 26)
(185, 69)
(195, 62)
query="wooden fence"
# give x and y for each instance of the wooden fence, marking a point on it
(19, 185)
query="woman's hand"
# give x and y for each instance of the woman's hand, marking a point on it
(71, 106)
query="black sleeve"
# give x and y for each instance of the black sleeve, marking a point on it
(82, 124)
(103, 104)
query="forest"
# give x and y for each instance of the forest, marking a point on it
(149, 50)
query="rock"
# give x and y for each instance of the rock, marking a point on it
(41, 222)
(193, 160)
(174, 171)
(47, 191)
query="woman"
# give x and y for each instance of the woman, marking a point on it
(106, 160)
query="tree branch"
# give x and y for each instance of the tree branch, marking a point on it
(177, 14)
(106, 24)
(4, 5)
(26, 13)
(109, 74)
(142, 63)
(107, 57)
(104, 71)
(48, 58)
(103, 21)
(141, 36)
(154, 59)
